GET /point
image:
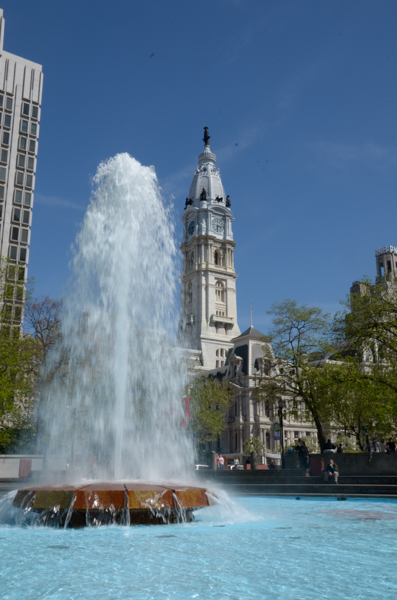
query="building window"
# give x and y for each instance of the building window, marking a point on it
(4, 155)
(216, 257)
(24, 235)
(13, 252)
(28, 199)
(31, 163)
(2, 190)
(219, 292)
(22, 255)
(6, 138)
(3, 173)
(17, 215)
(29, 181)
(18, 197)
(22, 142)
(296, 434)
(19, 177)
(18, 314)
(24, 126)
(221, 356)
(189, 293)
(14, 234)
(267, 440)
(33, 129)
(7, 121)
(1, 211)
(8, 103)
(1, 100)
(19, 294)
(26, 217)
(35, 112)
(25, 109)
(32, 146)
(190, 260)
(21, 161)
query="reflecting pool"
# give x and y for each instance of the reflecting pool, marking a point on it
(267, 548)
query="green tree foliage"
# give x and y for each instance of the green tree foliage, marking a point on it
(253, 444)
(211, 400)
(300, 340)
(17, 361)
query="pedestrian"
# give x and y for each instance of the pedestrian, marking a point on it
(218, 463)
(222, 462)
(390, 446)
(340, 448)
(331, 470)
(329, 447)
(373, 448)
(236, 463)
(304, 456)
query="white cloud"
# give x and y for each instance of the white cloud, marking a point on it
(57, 202)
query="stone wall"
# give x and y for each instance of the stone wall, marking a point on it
(359, 464)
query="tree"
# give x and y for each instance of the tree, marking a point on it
(211, 400)
(43, 321)
(300, 339)
(253, 444)
(17, 359)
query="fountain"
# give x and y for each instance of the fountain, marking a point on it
(111, 409)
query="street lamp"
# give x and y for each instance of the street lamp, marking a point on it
(281, 406)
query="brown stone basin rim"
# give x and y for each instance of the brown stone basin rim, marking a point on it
(102, 503)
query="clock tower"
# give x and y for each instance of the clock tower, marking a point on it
(208, 321)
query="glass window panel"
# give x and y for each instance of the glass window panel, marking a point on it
(33, 128)
(29, 181)
(9, 103)
(1, 116)
(4, 156)
(13, 252)
(3, 172)
(26, 109)
(18, 197)
(31, 163)
(35, 112)
(28, 199)
(17, 214)
(22, 256)
(21, 274)
(1, 210)
(32, 146)
(24, 126)
(26, 215)
(2, 189)
(24, 235)
(17, 316)
(21, 160)
(6, 138)
(22, 143)
(7, 120)
(15, 234)
(1, 100)
(19, 178)
(20, 293)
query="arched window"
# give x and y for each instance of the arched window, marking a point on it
(189, 293)
(216, 257)
(221, 356)
(219, 292)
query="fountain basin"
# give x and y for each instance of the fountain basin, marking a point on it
(103, 503)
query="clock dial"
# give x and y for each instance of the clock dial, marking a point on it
(217, 225)
(191, 228)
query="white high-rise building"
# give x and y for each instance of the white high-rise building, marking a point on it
(208, 281)
(21, 84)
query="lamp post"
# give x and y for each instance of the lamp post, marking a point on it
(281, 406)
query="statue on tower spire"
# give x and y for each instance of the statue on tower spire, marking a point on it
(206, 138)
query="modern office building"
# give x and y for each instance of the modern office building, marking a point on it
(21, 84)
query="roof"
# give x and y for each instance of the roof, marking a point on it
(252, 332)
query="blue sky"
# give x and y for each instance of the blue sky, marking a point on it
(300, 101)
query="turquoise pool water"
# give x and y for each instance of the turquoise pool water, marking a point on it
(267, 548)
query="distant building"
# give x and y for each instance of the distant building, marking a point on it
(208, 321)
(21, 84)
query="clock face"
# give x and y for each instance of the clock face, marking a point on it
(217, 225)
(191, 228)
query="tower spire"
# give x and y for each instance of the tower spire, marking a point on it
(206, 138)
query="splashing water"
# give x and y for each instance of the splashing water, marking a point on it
(112, 406)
